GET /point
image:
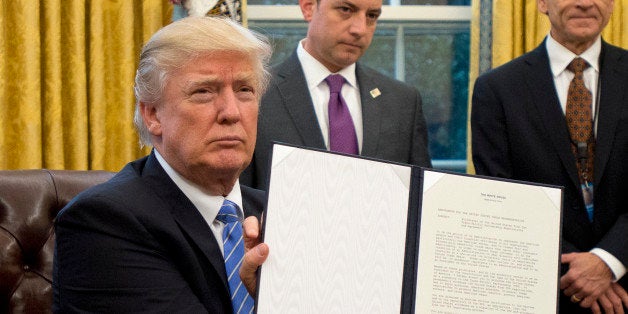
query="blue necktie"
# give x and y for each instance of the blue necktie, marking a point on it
(342, 137)
(233, 247)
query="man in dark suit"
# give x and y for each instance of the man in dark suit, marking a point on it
(522, 113)
(386, 114)
(152, 238)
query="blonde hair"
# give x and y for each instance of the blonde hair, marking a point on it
(176, 44)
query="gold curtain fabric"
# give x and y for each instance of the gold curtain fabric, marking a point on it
(66, 81)
(518, 27)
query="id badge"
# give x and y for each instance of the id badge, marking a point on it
(587, 194)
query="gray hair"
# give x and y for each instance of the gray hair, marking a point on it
(174, 45)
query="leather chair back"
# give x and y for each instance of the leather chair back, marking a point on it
(29, 203)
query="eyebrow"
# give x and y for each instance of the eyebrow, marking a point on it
(354, 6)
(376, 11)
(241, 77)
(348, 3)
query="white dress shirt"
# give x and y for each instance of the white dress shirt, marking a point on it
(315, 74)
(207, 205)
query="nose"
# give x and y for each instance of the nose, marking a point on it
(228, 109)
(358, 25)
(584, 3)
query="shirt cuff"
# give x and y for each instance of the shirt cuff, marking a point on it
(618, 269)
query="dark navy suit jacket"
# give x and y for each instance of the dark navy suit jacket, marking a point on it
(519, 131)
(137, 244)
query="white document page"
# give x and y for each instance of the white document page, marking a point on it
(487, 246)
(336, 228)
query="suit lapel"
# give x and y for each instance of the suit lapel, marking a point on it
(372, 112)
(613, 76)
(298, 102)
(190, 221)
(543, 91)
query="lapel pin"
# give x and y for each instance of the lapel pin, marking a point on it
(375, 92)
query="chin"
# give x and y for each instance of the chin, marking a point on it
(230, 165)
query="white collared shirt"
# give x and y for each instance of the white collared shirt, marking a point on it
(315, 74)
(207, 205)
(560, 57)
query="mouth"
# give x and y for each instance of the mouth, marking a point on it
(350, 45)
(228, 140)
(582, 18)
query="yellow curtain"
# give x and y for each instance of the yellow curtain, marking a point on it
(518, 27)
(66, 81)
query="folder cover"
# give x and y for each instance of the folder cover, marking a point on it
(349, 234)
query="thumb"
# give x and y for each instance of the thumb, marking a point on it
(252, 260)
(567, 258)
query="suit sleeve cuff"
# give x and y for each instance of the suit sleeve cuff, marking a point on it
(618, 269)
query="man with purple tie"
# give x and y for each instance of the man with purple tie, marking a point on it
(321, 95)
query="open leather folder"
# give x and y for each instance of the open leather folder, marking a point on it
(354, 235)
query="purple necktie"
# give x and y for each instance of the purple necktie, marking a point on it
(342, 136)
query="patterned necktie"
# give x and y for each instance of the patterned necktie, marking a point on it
(580, 123)
(233, 247)
(342, 137)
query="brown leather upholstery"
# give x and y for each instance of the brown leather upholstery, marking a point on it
(29, 202)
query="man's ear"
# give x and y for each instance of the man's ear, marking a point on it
(151, 119)
(307, 8)
(542, 6)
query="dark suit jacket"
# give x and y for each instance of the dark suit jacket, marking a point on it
(519, 131)
(393, 123)
(137, 244)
